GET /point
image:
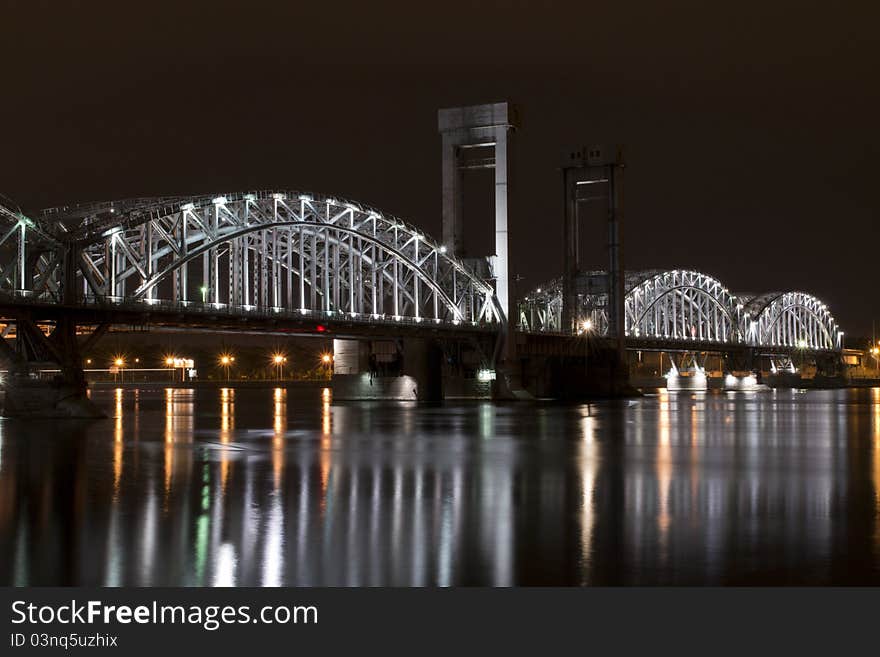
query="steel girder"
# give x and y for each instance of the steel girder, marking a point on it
(268, 251)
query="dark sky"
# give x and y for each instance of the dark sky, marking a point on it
(751, 130)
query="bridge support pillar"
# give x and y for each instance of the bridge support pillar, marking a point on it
(423, 362)
(408, 369)
(28, 395)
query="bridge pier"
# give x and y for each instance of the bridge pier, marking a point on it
(25, 395)
(570, 369)
(409, 369)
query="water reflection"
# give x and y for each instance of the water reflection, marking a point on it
(284, 487)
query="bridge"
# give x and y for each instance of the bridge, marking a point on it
(688, 307)
(310, 264)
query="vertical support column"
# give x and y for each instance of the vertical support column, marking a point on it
(214, 283)
(24, 282)
(235, 272)
(264, 269)
(206, 277)
(326, 285)
(289, 273)
(302, 269)
(149, 264)
(276, 271)
(501, 260)
(313, 271)
(180, 275)
(111, 256)
(337, 273)
(244, 246)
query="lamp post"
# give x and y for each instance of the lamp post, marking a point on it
(279, 360)
(226, 362)
(120, 365)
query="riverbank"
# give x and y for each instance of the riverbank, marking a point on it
(211, 384)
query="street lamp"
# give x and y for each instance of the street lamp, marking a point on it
(119, 363)
(327, 363)
(169, 363)
(226, 361)
(279, 360)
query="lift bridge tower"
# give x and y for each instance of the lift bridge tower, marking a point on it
(589, 174)
(478, 137)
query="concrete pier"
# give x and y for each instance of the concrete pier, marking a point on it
(24, 397)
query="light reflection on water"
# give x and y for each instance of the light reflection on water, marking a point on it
(283, 487)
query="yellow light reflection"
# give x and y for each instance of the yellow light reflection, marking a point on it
(326, 416)
(664, 469)
(279, 426)
(169, 444)
(326, 430)
(117, 445)
(227, 426)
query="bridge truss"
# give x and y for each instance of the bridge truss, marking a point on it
(258, 252)
(683, 305)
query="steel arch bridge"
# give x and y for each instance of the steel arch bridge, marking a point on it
(260, 252)
(791, 319)
(683, 305)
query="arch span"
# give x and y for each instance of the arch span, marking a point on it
(792, 319)
(673, 304)
(681, 304)
(274, 250)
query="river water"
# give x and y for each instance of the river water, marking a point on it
(286, 487)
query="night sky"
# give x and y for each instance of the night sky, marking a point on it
(751, 130)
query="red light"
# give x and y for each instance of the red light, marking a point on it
(321, 328)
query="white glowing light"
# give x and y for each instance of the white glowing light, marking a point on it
(486, 375)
